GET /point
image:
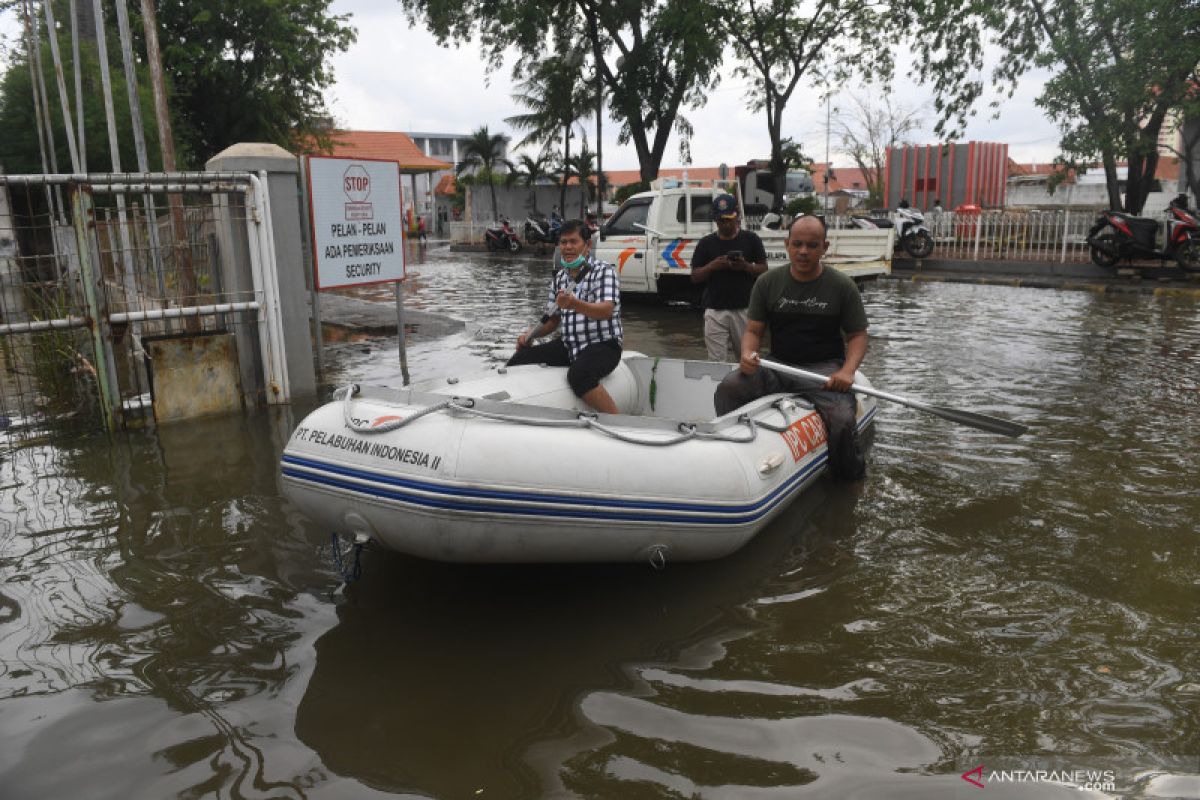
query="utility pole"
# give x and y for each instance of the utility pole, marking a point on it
(166, 141)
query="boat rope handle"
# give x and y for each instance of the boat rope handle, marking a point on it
(585, 419)
(346, 392)
(588, 419)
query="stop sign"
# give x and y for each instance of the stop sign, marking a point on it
(356, 183)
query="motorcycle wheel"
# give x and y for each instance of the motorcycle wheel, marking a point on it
(919, 245)
(491, 245)
(1188, 256)
(514, 245)
(1104, 251)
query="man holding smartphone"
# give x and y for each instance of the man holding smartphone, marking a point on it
(727, 263)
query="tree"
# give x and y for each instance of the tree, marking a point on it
(19, 151)
(867, 131)
(582, 167)
(248, 71)
(530, 171)
(556, 99)
(779, 42)
(666, 57)
(482, 155)
(1117, 70)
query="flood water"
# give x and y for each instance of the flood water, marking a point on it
(170, 626)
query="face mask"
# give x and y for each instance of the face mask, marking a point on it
(573, 264)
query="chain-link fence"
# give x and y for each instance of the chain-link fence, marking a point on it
(95, 268)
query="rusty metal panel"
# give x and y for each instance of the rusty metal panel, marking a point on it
(193, 376)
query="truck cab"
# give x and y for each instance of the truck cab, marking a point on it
(652, 236)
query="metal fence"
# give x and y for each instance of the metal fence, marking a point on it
(92, 267)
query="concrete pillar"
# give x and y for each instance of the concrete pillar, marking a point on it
(283, 171)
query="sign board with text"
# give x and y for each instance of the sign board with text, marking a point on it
(357, 221)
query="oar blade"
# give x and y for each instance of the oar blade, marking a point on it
(975, 420)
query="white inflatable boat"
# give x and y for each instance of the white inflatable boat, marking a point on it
(512, 467)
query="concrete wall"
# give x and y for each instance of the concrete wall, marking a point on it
(515, 203)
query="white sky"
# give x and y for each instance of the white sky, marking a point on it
(397, 78)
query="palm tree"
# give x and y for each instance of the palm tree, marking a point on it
(530, 170)
(557, 97)
(583, 167)
(482, 154)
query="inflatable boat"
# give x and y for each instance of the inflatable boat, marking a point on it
(512, 467)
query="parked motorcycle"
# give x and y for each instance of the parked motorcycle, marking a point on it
(1117, 235)
(542, 230)
(911, 232)
(502, 238)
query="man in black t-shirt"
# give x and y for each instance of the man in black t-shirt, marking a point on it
(727, 263)
(816, 319)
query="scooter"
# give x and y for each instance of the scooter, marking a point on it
(1117, 235)
(541, 230)
(502, 238)
(911, 232)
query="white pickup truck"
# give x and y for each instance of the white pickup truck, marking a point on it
(652, 235)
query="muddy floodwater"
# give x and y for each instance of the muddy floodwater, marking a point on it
(1023, 611)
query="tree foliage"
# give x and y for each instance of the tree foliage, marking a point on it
(657, 57)
(780, 42)
(529, 171)
(556, 99)
(19, 151)
(1117, 70)
(481, 157)
(249, 70)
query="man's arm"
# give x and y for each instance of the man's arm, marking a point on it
(856, 350)
(755, 261)
(751, 341)
(704, 265)
(599, 310)
(544, 328)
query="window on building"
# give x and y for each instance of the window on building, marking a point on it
(927, 184)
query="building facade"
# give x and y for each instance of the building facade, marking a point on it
(961, 173)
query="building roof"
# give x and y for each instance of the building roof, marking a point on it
(385, 146)
(840, 178)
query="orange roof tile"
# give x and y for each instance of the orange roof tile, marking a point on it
(385, 146)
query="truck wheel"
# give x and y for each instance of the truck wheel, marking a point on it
(1188, 255)
(919, 245)
(1104, 251)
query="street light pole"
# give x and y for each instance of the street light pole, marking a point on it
(598, 55)
(828, 164)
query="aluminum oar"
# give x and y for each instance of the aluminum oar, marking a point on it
(969, 418)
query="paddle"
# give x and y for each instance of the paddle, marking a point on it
(969, 418)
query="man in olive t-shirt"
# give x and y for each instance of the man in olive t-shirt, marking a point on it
(816, 319)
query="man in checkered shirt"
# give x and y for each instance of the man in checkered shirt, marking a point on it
(585, 302)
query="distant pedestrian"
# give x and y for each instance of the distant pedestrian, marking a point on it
(727, 263)
(422, 234)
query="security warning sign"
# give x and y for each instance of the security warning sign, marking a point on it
(357, 221)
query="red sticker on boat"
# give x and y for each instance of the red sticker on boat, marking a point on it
(375, 423)
(804, 435)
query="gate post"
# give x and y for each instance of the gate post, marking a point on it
(283, 186)
(93, 293)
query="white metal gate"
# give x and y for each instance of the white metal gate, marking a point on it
(85, 279)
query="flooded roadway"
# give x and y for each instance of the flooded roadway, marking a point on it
(169, 625)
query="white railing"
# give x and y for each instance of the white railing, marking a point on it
(1012, 235)
(469, 232)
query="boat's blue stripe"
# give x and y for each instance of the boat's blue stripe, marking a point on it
(459, 498)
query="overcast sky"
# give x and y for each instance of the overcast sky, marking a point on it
(397, 78)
